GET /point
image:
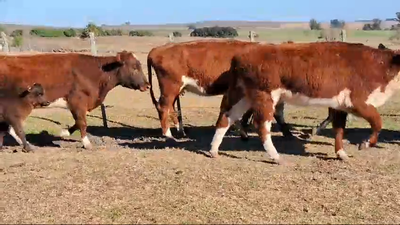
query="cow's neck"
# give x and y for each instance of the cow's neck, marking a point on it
(108, 79)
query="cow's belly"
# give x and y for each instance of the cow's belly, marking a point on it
(340, 101)
(192, 85)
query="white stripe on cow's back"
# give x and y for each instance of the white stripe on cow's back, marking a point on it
(192, 85)
(377, 98)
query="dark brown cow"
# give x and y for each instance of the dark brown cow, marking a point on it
(77, 81)
(15, 108)
(349, 78)
(199, 67)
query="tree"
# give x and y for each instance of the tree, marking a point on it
(314, 25)
(375, 25)
(16, 33)
(335, 23)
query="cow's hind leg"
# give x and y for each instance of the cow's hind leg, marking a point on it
(339, 124)
(3, 131)
(79, 115)
(225, 120)
(280, 120)
(263, 106)
(370, 114)
(323, 124)
(19, 131)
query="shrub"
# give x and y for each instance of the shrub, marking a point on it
(70, 33)
(314, 25)
(177, 34)
(376, 25)
(113, 32)
(17, 41)
(335, 23)
(220, 32)
(16, 33)
(47, 32)
(140, 33)
(91, 27)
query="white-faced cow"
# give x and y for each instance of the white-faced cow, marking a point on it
(200, 67)
(349, 78)
(77, 81)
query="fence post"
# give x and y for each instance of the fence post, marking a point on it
(251, 35)
(94, 52)
(171, 37)
(343, 35)
(5, 42)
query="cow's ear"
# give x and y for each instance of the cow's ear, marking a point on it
(381, 46)
(121, 56)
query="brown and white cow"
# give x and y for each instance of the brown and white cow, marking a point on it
(200, 67)
(349, 78)
(77, 81)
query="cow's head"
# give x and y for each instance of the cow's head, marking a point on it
(130, 73)
(35, 96)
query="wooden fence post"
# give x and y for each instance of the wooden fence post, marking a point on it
(343, 35)
(171, 37)
(94, 52)
(5, 42)
(251, 35)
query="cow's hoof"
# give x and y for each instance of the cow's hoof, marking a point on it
(314, 131)
(64, 133)
(341, 154)
(29, 148)
(244, 137)
(214, 154)
(364, 145)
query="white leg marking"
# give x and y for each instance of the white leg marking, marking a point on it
(233, 115)
(268, 145)
(168, 134)
(58, 103)
(86, 142)
(178, 128)
(342, 154)
(14, 135)
(64, 133)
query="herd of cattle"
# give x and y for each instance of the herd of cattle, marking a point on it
(255, 80)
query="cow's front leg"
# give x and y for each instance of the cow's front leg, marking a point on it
(225, 120)
(79, 115)
(16, 124)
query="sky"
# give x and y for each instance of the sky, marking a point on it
(78, 13)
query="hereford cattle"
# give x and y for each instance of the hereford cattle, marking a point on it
(200, 67)
(15, 108)
(329, 119)
(77, 81)
(349, 78)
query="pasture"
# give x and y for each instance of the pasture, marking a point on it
(133, 176)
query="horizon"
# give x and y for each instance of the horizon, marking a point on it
(79, 13)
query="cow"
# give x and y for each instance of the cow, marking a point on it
(347, 77)
(323, 124)
(200, 67)
(75, 81)
(15, 108)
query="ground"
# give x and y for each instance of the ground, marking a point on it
(133, 176)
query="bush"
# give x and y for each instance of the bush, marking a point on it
(113, 32)
(314, 25)
(219, 32)
(47, 32)
(17, 33)
(70, 33)
(337, 24)
(376, 25)
(91, 27)
(17, 41)
(2, 29)
(177, 34)
(140, 33)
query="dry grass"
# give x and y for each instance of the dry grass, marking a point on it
(134, 176)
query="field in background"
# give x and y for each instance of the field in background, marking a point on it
(134, 176)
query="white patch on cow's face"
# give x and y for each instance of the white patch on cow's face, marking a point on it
(191, 85)
(268, 145)
(58, 103)
(378, 98)
(340, 101)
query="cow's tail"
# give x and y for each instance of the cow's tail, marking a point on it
(149, 65)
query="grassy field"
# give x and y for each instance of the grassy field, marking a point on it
(134, 176)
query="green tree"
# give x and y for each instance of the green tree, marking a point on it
(314, 25)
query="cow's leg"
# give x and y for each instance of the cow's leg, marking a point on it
(3, 131)
(317, 130)
(263, 106)
(339, 124)
(225, 120)
(370, 114)
(245, 125)
(11, 131)
(280, 119)
(79, 115)
(19, 131)
(165, 105)
(178, 121)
